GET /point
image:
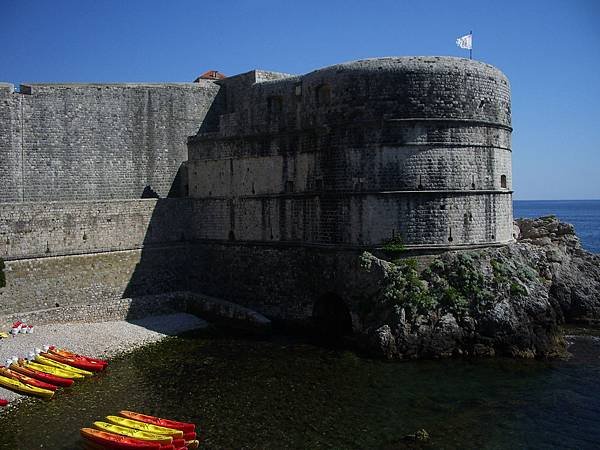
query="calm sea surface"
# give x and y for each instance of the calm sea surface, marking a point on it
(282, 392)
(584, 214)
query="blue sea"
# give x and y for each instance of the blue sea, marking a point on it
(583, 214)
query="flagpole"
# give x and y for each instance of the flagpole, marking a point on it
(471, 49)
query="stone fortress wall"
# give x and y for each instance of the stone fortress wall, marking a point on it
(343, 158)
(63, 142)
(358, 154)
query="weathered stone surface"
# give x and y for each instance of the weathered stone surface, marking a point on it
(97, 141)
(355, 154)
(522, 293)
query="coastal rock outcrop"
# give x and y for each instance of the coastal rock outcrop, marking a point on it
(507, 300)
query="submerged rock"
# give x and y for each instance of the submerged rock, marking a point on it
(497, 301)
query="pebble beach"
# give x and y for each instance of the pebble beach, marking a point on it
(102, 339)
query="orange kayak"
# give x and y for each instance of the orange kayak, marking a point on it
(64, 352)
(79, 363)
(25, 379)
(183, 426)
(115, 441)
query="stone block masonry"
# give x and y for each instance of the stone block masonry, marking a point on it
(38, 230)
(357, 154)
(97, 141)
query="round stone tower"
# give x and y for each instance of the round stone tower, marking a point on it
(413, 149)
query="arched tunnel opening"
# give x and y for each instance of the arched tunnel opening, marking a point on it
(331, 317)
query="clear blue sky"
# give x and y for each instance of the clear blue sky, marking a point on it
(550, 50)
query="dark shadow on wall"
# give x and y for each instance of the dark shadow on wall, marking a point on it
(161, 276)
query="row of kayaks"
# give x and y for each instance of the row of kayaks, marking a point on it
(131, 430)
(45, 372)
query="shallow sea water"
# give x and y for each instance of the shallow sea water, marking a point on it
(277, 393)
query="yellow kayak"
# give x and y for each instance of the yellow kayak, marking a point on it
(147, 427)
(22, 388)
(51, 362)
(55, 371)
(137, 434)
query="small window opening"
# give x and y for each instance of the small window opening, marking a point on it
(289, 186)
(420, 186)
(323, 95)
(298, 89)
(503, 181)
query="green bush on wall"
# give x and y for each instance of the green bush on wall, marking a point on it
(2, 279)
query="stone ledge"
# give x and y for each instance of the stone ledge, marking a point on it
(213, 309)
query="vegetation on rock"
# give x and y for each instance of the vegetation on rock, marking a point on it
(394, 246)
(508, 300)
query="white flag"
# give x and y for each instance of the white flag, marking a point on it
(465, 41)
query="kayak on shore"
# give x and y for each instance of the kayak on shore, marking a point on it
(79, 363)
(22, 388)
(26, 379)
(67, 353)
(65, 367)
(42, 376)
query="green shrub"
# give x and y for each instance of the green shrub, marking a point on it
(405, 288)
(394, 245)
(459, 283)
(517, 289)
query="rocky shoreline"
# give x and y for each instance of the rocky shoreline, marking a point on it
(508, 301)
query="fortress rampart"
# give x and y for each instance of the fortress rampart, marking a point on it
(96, 141)
(280, 174)
(360, 153)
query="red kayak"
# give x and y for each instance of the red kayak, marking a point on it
(183, 426)
(89, 445)
(26, 379)
(80, 363)
(68, 354)
(115, 441)
(42, 376)
(3, 402)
